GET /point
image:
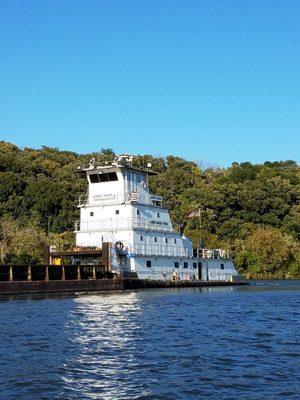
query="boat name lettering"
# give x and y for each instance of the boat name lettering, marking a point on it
(104, 196)
(158, 223)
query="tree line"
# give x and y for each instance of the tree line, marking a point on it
(251, 209)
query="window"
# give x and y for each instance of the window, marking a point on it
(137, 212)
(91, 214)
(112, 176)
(222, 266)
(94, 178)
(185, 265)
(103, 177)
(141, 238)
(166, 240)
(158, 215)
(175, 241)
(176, 264)
(117, 212)
(155, 239)
(194, 265)
(148, 263)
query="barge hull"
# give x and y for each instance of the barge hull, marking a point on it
(25, 287)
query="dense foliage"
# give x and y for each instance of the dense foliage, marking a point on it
(253, 210)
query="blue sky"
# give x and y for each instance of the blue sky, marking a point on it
(212, 80)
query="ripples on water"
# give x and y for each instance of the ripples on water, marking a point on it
(154, 344)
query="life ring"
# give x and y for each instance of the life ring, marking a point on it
(119, 246)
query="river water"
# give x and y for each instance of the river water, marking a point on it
(213, 343)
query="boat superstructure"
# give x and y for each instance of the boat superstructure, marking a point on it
(119, 209)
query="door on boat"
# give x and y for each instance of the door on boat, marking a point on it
(199, 270)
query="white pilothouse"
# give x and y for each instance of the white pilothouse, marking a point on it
(118, 208)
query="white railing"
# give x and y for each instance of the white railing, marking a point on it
(123, 223)
(158, 250)
(154, 197)
(212, 253)
(115, 198)
(156, 200)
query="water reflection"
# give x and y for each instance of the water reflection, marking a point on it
(105, 332)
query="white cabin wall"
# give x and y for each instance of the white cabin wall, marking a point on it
(211, 269)
(157, 214)
(159, 242)
(96, 238)
(108, 211)
(163, 268)
(105, 188)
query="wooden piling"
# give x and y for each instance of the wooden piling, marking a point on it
(29, 276)
(63, 274)
(106, 256)
(78, 273)
(47, 273)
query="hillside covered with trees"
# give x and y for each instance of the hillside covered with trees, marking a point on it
(253, 210)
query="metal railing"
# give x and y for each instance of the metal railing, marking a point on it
(212, 253)
(158, 250)
(116, 198)
(123, 223)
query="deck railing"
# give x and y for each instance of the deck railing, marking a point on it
(158, 250)
(117, 198)
(212, 253)
(12, 273)
(123, 223)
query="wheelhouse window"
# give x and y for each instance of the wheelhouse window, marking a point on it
(94, 178)
(185, 265)
(148, 263)
(108, 177)
(176, 264)
(103, 177)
